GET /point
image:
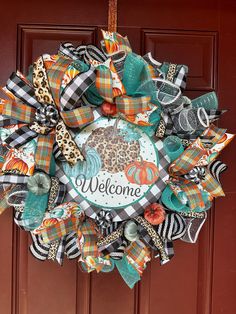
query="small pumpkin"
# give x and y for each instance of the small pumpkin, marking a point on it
(17, 165)
(154, 214)
(88, 168)
(142, 172)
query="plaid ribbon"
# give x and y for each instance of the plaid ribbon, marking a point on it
(88, 231)
(188, 159)
(19, 112)
(113, 42)
(24, 113)
(5, 121)
(55, 75)
(215, 133)
(138, 255)
(185, 164)
(76, 88)
(125, 104)
(77, 117)
(57, 231)
(44, 151)
(67, 245)
(210, 184)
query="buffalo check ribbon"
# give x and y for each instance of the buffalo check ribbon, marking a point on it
(183, 165)
(35, 100)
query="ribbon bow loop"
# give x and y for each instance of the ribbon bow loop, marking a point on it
(182, 172)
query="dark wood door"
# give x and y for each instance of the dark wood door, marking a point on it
(201, 278)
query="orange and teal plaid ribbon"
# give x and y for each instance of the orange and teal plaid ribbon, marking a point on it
(126, 104)
(186, 162)
(44, 151)
(57, 231)
(88, 231)
(138, 255)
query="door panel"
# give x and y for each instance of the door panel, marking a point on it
(201, 278)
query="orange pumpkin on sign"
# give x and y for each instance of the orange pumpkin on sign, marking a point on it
(142, 172)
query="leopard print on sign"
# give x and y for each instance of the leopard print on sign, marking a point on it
(67, 145)
(114, 151)
(40, 83)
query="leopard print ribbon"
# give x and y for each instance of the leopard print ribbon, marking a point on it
(43, 95)
(157, 241)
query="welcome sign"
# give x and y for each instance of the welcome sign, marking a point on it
(122, 164)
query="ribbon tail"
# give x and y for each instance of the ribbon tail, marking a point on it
(127, 272)
(211, 185)
(44, 151)
(38, 248)
(104, 83)
(67, 145)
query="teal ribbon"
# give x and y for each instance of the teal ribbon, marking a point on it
(127, 272)
(34, 210)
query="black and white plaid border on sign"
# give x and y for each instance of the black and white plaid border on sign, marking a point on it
(130, 211)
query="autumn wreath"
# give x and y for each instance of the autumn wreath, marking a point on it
(105, 160)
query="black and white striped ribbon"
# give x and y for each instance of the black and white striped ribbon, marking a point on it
(119, 253)
(172, 228)
(84, 53)
(216, 167)
(104, 219)
(196, 175)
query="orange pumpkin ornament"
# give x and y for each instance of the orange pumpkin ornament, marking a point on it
(17, 165)
(154, 214)
(142, 172)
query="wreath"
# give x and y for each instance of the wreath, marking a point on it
(105, 160)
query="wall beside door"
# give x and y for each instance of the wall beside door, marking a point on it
(201, 277)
